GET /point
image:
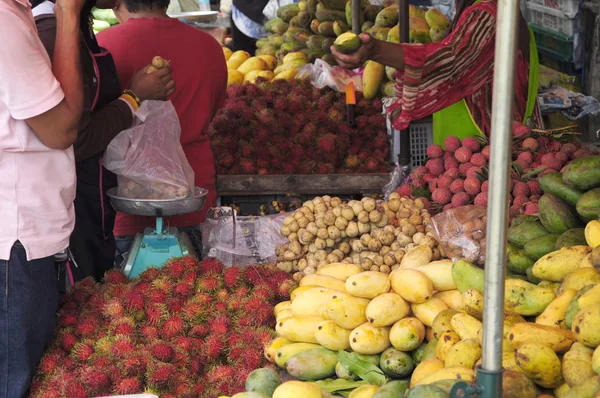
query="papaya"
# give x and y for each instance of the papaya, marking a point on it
(571, 237)
(553, 183)
(521, 233)
(589, 388)
(388, 17)
(588, 206)
(559, 340)
(326, 29)
(583, 173)
(555, 215)
(340, 27)
(371, 12)
(579, 279)
(314, 364)
(304, 19)
(554, 314)
(467, 276)
(539, 247)
(577, 364)
(418, 31)
(339, 5)
(326, 14)
(348, 15)
(372, 79)
(518, 261)
(286, 13)
(573, 307)
(586, 325)
(540, 363)
(435, 18)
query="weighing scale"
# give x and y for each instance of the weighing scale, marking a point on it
(159, 244)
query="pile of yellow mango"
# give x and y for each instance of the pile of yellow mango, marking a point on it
(424, 322)
(242, 68)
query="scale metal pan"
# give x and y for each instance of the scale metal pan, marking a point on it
(158, 208)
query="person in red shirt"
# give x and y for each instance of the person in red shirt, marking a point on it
(201, 74)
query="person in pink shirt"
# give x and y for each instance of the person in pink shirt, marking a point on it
(40, 108)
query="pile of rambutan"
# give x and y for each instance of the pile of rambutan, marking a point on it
(283, 127)
(457, 174)
(188, 329)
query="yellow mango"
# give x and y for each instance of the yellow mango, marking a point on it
(561, 391)
(251, 76)
(554, 314)
(341, 271)
(540, 363)
(425, 368)
(241, 55)
(295, 65)
(418, 256)
(285, 313)
(586, 262)
(312, 302)
(407, 334)
(270, 60)
(234, 77)
(557, 265)
(590, 297)
(577, 364)
(445, 343)
(440, 274)
(287, 351)
(386, 309)
(414, 286)
(473, 303)
(287, 75)
(369, 284)
(580, 278)
(596, 360)
(442, 322)
(508, 360)
(394, 35)
(452, 298)
(366, 391)
(592, 233)
(301, 289)
(427, 311)
(235, 63)
(435, 18)
(324, 281)
(369, 340)
(332, 337)
(347, 312)
(294, 56)
(466, 326)
(272, 347)
(586, 325)
(284, 305)
(453, 373)
(298, 389)
(227, 53)
(300, 329)
(557, 339)
(465, 354)
(372, 79)
(414, 11)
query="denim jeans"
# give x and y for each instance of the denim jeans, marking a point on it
(28, 308)
(124, 244)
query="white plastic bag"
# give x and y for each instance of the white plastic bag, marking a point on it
(148, 158)
(321, 74)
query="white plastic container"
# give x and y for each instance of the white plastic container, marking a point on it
(553, 19)
(569, 7)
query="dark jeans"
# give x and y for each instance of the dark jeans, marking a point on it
(27, 318)
(124, 244)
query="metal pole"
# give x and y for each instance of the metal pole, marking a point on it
(356, 11)
(490, 373)
(403, 26)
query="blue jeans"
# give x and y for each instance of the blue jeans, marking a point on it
(27, 318)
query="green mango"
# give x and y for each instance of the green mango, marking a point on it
(315, 364)
(392, 389)
(572, 237)
(555, 215)
(539, 247)
(467, 276)
(263, 380)
(396, 363)
(523, 232)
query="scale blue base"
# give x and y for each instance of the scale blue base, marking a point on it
(155, 247)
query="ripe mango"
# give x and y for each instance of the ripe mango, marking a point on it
(592, 233)
(286, 75)
(426, 312)
(590, 297)
(227, 53)
(407, 334)
(388, 17)
(579, 279)
(586, 325)
(234, 77)
(414, 11)
(332, 337)
(596, 360)
(272, 347)
(453, 373)
(577, 364)
(298, 389)
(466, 326)
(425, 368)
(442, 322)
(285, 352)
(414, 286)
(386, 309)
(366, 391)
(347, 43)
(324, 281)
(312, 302)
(394, 35)
(270, 60)
(368, 339)
(340, 27)
(557, 265)
(315, 364)
(348, 15)
(372, 78)
(347, 312)
(589, 388)
(440, 274)
(452, 298)
(253, 75)
(368, 284)
(540, 363)
(465, 353)
(554, 314)
(473, 303)
(557, 339)
(435, 18)
(300, 329)
(340, 271)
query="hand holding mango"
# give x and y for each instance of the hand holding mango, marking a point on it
(154, 82)
(351, 53)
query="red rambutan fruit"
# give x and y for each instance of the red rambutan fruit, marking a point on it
(49, 363)
(113, 309)
(88, 326)
(83, 350)
(124, 328)
(96, 381)
(198, 331)
(184, 289)
(173, 327)
(208, 283)
(134, 365)
(174, 268)
(232, 277)
(213, 347)
(150, 274)
(75, 390)
(162, 351)
(211, 265)
(67, 319)
(115, 276)
(129, 385)
(121, 347)
(133, 301)
(67, 340)
(220, 374)
(160, 375)
(219, 325)
(149, 332)
(155, 313)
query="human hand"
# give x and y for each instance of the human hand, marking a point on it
(158, 85)
(360, 56)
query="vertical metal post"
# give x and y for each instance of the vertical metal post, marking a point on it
(403, 25)
(490, 373)
(356, 16)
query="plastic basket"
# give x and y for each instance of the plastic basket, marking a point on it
(555, 61)
(421, 136)
(552, 19)
(569, 7)
(554, 41)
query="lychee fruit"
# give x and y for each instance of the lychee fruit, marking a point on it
(472, 144)
(481, 199)
(473, 172)
(463, 154)
(534, 187)
(444, 181)
(405, 190)
(457, 186)
(435, 151)
(452, 173)
(486, 150)
(485, 185)
(478, 159)
(520, 130)
(419, 172)
(435, 166)
(521, 189)
(451, 163)
(472, 186)
(520, 200)
(460, 199)
(530, 144)
(441, 196)
(464, 167)
(451, 143)
(531, 208)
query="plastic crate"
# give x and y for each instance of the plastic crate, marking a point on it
(421, 136)
(555, 61)
(552, 19)
(569, 7)
(554, 41)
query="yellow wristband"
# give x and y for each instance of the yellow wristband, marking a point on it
(131, 101)
(133, 95)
